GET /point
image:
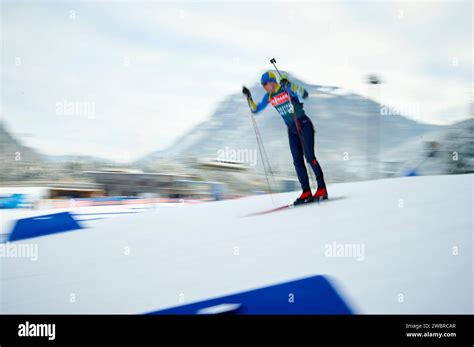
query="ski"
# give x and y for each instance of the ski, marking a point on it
(290, 206)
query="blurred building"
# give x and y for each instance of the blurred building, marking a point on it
(125, 182)
(29, 194)
(221, 164)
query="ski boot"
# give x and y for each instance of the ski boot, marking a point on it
(321, 194)
(304, 198)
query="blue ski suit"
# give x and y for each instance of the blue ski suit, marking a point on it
(287, 101)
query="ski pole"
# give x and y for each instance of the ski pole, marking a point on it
(257, 131)
(273, 61)
(264, 158)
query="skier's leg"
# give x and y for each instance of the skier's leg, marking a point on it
(298, 160)
(307, 130)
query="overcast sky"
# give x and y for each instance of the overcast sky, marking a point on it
(149, 71)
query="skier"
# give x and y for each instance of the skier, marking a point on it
(286, 98)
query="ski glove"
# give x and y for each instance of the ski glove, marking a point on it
(246, 92)
(284, 81)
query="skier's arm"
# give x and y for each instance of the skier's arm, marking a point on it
(294, 89)
(255, 108)
(300, 92)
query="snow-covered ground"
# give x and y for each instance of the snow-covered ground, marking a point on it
(86, 214)
(399, 245)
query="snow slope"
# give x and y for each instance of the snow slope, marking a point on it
(416, 234)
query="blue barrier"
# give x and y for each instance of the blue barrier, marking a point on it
(43, 225)
(313, 295)
(12, 201)
(411, 172)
